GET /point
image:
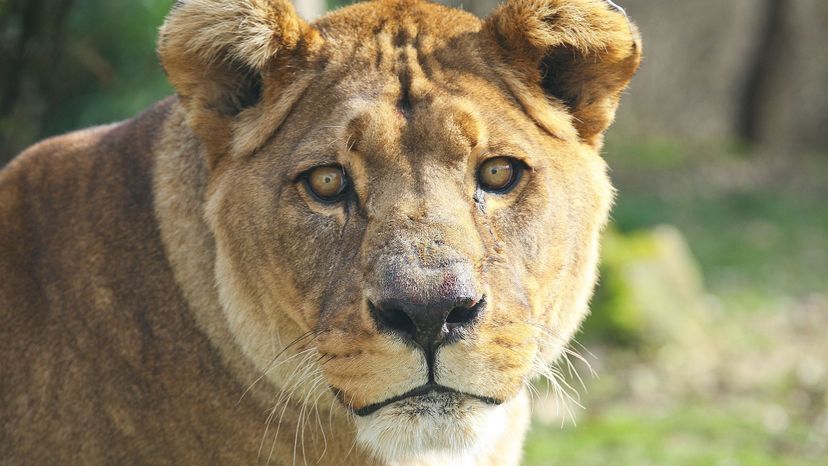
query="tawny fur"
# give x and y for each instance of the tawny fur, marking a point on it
(172, 294)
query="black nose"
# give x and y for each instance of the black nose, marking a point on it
(427, 324)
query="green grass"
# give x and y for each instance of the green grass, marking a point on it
(692, 435)
(775, 244)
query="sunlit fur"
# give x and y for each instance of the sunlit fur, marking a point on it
(257, 344)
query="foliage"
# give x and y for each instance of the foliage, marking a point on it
(112, 71)
(76, 63)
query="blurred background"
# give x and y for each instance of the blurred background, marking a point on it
(708, 341)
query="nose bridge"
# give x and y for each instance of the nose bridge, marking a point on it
(432, 214)
(402, 275)
(422, 253)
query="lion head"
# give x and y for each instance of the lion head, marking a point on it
(405, 200)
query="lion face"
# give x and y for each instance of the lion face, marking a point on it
(414, 199)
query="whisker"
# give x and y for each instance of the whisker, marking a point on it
(565, 394)
(304, 413)
(303, 370)
(272, 361)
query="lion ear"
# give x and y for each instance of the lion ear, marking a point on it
(582, 53)
(217, 52)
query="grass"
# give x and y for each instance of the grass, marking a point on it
(698, 434)
(764, 242)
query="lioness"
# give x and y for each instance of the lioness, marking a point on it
(354, 241)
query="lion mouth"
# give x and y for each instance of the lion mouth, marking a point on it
(425, 392)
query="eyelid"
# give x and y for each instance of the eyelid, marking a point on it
(505, 153)
(303, 173)
(307, 166)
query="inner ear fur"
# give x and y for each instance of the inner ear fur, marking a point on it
(581, 53)
(216, 54)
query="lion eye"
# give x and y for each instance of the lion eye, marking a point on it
(498, 174)
(327, 183)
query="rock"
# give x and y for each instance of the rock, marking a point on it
(651, 291)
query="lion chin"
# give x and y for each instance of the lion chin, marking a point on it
(434, 428)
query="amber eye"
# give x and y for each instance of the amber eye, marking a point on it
(498, 174)
(327, 183)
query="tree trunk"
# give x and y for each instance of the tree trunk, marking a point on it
(29, 84)
(767, 62)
